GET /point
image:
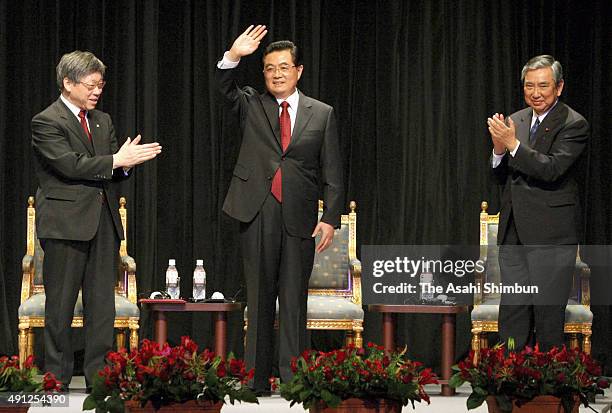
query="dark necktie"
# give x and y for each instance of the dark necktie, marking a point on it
(532, 131)
(285, 127)
(82, 115)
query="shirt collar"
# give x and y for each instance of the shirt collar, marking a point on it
(293, 100)
(543, 115)
(73, 108)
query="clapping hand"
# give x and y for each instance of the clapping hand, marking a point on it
(132, 153)
(503, 133)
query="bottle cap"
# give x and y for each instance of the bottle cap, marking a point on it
(199, 262)
(171, 262)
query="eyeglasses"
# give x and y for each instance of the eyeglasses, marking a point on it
(271, 70)
(92, 86)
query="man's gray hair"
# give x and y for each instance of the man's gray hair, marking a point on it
(76, 65)
(540, 62)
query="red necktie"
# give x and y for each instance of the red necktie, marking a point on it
(82, 115)
(285, 127)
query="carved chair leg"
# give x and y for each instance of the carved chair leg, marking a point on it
(134, 338)
(348, 338)
(120, 339)
(484, 340)
(573, 340)
(476, 341)
(358, 338)
(23, 345)
(30, 349)
(586, 342)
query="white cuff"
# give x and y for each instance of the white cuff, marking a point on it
(225, 63)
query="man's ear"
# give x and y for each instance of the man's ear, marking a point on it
(300, 68)
(560, 87)
(68, 85)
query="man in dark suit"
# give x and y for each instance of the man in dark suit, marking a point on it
(534, 158)
(289, 147)
(78, 165)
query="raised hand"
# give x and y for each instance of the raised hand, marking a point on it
(247, 42)
(131, 153)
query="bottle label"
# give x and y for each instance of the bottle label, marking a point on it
(199, 277)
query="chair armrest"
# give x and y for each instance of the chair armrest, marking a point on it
(128, 264)
(27, 267)
(355, 266)
(355, 269)
(583, 272)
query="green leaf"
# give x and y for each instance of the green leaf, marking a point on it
(304, 394)
(89, 403)
(326, 396)
(456, 380)
(475, 400)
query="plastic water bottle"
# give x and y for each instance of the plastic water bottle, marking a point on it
(426, 281)
(173, 280)
(199, 281)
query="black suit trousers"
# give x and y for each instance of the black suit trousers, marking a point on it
(531, 318)
(69, 266)
(276, 264)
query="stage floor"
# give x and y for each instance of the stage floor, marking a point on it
(276, 404)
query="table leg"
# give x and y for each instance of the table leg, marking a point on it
(220, 333)
(389, 331)
(160, 327)
(448, 351)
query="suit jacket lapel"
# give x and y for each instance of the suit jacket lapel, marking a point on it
(100, 141)
(270, 107)
(73, 124)
(304, 113)
(545, 132)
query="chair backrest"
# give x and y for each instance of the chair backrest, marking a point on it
(490, 251)
(33, 248)
(488, 246)
(331, 274)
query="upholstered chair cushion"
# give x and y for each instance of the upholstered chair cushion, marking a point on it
(574, 312)
(328, 307)
(35, 307)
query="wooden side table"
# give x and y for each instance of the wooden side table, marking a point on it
(449, 320)
(219, 311)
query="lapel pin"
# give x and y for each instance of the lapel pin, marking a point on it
(546, 130)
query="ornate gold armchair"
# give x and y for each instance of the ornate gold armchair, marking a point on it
(578, 315)
(32, 309)
(334, 293)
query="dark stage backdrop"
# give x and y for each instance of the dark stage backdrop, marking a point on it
(412, 83)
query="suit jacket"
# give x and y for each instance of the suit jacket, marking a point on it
(74, 175)
(311, 160)
(539, 185)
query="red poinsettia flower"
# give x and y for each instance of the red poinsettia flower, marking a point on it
(560, 372)
(348, 372)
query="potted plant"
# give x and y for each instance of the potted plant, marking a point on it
(356, 380)
(530, 380)
(16, 380)
(165, 378)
